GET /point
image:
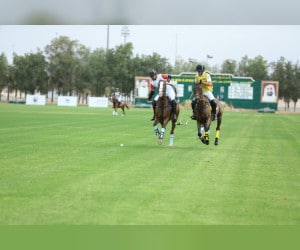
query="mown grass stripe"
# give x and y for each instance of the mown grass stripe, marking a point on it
(65, 166)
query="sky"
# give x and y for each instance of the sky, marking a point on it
(222, 42)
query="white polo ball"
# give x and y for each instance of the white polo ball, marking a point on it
(121, 145)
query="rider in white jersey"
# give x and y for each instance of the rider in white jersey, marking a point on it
(170, 92)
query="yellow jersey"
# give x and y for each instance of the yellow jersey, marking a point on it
(204, 78)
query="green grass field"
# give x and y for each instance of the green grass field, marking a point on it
(64, 165)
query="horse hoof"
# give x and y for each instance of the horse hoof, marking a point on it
(159, 141)
(216, 143)
(170, 145)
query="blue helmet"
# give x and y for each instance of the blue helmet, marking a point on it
(152, 73)
(200, 67)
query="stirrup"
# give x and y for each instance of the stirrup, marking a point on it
(193, 117)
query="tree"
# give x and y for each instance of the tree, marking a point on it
(63, 60)
(293, 84)
(124, 79)
(259, 68)
(296, 86)
(3, 72)
(256, 68)
(29, 73)
(96, 69)
(183, 66)
(155, 61)
(229, 66)
(279, 75)
(10, 81)
(81, 74)
(288, 83)
(288, 76)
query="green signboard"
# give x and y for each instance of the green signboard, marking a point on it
(239, 92)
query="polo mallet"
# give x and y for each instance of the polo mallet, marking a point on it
(187, 121)
(179, 122)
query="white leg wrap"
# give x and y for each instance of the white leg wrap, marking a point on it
(202, 130)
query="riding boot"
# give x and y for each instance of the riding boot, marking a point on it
(174, 108)
(153, 106)
(193, 107)
(213, 109)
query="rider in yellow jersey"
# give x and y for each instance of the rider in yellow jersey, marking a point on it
(204, 78)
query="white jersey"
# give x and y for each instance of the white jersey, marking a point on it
(157, 80)
(118, 96)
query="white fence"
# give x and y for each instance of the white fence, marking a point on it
(36, 100)
(67, 101)
(98, 102)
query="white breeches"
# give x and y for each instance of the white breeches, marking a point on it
(209, 95)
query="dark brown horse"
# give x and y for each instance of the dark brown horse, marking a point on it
(203, 115)
(163, 114)
(116, 105)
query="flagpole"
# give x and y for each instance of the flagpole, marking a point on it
(107, 38)
(175, 49)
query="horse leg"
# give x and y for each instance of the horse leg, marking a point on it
(201, 132)
(206, 132)
(115, 112)
(206, 137)
(155, 127)
(122, 107)
(219, 121)
(199, 129)
(163, 128)
(161, 136)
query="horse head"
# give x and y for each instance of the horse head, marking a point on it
(198, 93)
(111, 98)
(162, 88)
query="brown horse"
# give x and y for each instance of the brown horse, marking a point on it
(163, 114)
(203, 115)
(116, 105)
